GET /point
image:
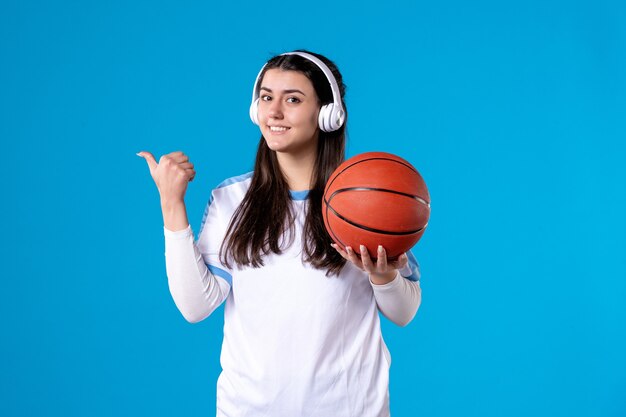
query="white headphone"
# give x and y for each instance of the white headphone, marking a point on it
(331, 115)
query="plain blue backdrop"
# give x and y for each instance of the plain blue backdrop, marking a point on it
(514, 113)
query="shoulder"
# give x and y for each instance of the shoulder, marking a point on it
(239, 179)
(233, 188)
(225, 198)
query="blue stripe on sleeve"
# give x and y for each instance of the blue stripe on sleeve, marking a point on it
(223, 184)
(414, 266)
(236, 179)
(221, 273)
(204, 216)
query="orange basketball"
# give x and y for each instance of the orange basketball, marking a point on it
(376, 198)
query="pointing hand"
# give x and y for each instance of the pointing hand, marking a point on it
(171, 174)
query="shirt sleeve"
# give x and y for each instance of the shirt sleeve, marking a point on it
(197, 281)
(399, 299)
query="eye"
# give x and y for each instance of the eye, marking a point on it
(265, 97)
(293, 100)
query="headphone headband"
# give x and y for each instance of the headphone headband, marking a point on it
(331, 115)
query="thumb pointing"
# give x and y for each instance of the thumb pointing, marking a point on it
(152, 163)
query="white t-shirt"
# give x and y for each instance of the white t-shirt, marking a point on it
(296, 342)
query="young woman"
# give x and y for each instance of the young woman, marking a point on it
(301, 327)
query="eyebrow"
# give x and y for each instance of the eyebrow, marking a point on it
(284, 91)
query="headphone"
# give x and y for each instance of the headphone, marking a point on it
(331, 115)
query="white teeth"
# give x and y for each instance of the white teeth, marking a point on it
(278, 128)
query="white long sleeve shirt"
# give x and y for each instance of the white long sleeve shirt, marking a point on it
(296, 342)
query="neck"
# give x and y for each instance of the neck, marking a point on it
(297, 169)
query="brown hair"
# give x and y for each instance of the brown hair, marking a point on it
(263, 225)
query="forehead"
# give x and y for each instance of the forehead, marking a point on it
(277, 80)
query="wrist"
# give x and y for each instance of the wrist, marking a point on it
(171, 203)
(383, 278)
(174, 215)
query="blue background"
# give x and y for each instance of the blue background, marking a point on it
(514, 113)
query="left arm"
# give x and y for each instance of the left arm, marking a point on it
(397, 297)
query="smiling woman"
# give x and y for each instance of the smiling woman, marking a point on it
(293, 92)
(302, 333)
(288, 113)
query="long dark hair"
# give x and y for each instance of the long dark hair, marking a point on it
(263, 225)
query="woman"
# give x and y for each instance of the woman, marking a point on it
(301, 327)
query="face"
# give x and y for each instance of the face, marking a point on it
(288, 111)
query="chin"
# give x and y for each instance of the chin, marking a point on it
(275, 145)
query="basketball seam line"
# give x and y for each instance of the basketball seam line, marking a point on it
(385, 190)
(371, 229)
(371, 159)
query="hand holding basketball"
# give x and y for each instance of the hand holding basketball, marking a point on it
(382, 271)
(171, 174)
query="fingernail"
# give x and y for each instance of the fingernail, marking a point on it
(380, 248)
(362, 248)
(348, 249)
(138, 153)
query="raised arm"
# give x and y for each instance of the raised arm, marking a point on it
(171, 175)
(195, 290)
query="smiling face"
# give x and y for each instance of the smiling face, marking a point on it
(288, 111)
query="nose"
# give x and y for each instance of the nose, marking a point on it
(275, 110)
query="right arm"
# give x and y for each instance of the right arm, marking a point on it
(195, 290)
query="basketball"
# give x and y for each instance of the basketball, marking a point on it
(376, 198)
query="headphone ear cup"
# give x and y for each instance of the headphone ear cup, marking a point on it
(331, 117)
(254, 111)
(336, 118)
(320, 118)
(324, 117)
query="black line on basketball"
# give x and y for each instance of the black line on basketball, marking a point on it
(384, 190)
(367, 160)
(371, 229)
(330, 229)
